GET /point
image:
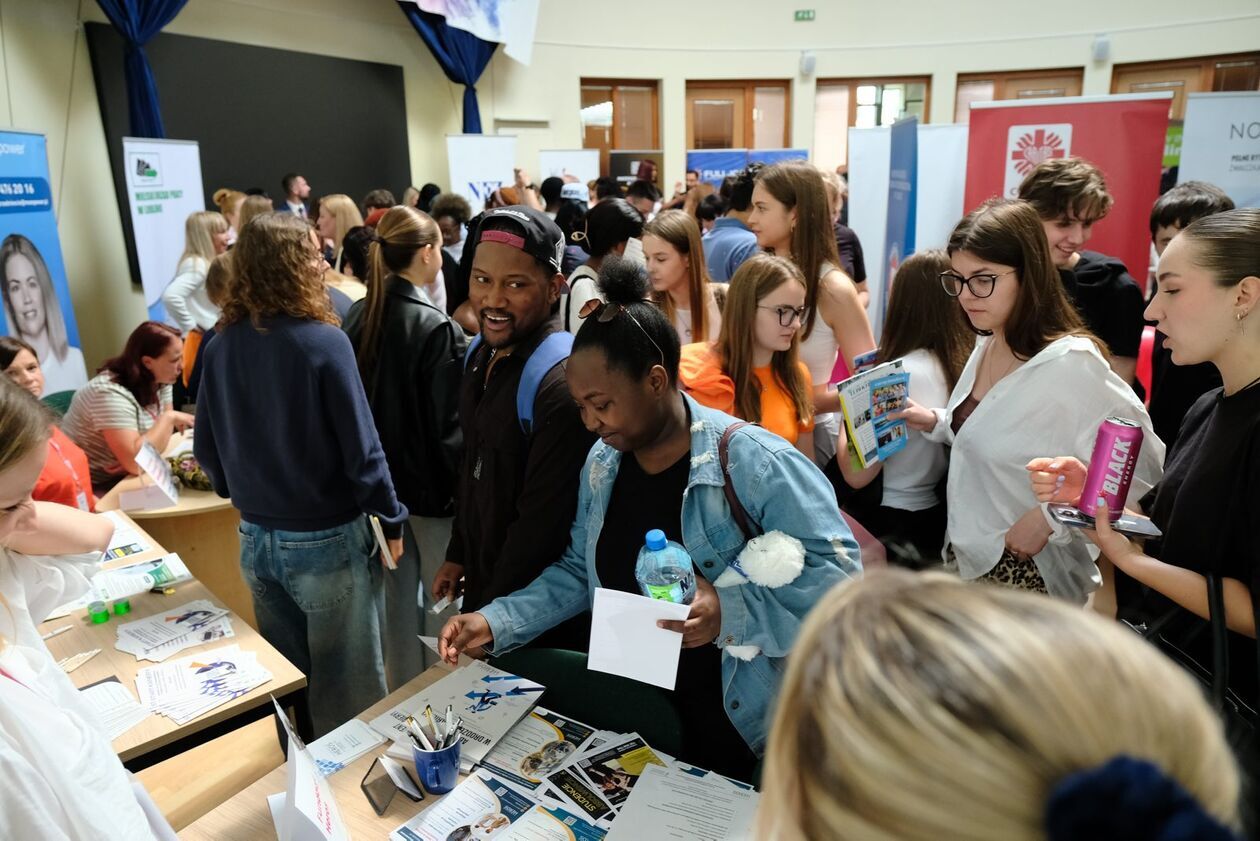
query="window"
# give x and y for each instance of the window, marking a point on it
(1185, 76)
(841, 104)
(619, 114)
(1024, 84)
(738, 115)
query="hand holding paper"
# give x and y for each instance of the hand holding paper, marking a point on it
(626, 641)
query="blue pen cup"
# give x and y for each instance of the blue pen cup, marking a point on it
(438, 770)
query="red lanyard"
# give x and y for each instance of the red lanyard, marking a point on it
(74, 474)
(5, 673)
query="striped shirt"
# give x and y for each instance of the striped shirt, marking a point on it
(104, 404)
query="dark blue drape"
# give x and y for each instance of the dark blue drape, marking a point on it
(138, 21)
(462, 56)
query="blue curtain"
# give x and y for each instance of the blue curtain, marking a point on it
(138, 21)
(462, 56)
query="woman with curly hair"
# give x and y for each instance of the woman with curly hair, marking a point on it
(284, 429)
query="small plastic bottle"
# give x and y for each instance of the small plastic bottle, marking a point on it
(664, 570)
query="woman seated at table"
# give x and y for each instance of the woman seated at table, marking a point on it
(918, 708)
(65, 478)
(658, 467)
(62, 779)
(752, 371)
(128, 404)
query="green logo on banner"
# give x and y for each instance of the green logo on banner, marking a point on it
(1172, 145)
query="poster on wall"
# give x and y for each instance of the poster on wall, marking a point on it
(582, 164)
(903, 176)
(628, 165)
(163, 188)
(1220, 144)
(480, 164)
(1123, 135)
(714, 165)
(37, 307)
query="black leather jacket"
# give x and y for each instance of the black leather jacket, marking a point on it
(414, 395)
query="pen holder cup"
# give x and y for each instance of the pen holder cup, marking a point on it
(438, 770)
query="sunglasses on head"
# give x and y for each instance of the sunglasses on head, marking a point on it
(605, 312)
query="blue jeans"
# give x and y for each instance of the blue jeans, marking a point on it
(319, 598)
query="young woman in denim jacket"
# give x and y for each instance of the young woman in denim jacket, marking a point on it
(624, 375)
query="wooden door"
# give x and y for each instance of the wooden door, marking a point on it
(1036, 87)
(1180, 79)
(716, 118)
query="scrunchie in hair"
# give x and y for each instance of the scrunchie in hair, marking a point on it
(375, 237)
(1128, 799)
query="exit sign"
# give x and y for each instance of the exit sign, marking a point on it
(804, 15)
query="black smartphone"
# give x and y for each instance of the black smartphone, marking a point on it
(1130, 525)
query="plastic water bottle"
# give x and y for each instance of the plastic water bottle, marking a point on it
(664, 570)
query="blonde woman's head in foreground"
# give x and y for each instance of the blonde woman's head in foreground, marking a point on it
(920, 707)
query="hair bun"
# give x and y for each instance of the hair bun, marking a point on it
(623, 281)
(1128, 798)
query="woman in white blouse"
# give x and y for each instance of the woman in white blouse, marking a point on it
(62, 779)
(185, 298)
(1036, 379)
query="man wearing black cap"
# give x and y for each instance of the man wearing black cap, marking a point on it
(518, 483)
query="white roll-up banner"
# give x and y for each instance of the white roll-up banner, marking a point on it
(480, 164)
(1220, 144)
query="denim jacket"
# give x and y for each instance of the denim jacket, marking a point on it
(781, 490)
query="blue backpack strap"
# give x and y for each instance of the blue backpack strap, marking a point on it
(553, 350)
(472, 348)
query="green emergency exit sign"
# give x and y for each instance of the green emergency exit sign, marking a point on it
(804, 15)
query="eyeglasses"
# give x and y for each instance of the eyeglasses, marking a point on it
(605, 313)
(787, 315)
(981, 285)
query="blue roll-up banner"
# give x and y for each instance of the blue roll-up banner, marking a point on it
(903, 160)
(774, 156)
(715, 164)
(37, 306)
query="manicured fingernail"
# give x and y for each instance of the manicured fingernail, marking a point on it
(1060, 480)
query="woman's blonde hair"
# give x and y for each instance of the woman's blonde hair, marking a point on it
(276, 270)
(25, 423)
(344, 212)
(199, 230)
(16, 245)
(680, 230)
(228, 200)
(251, 207)
(756, 278)
(917, 706)
(218, 278)
(400, 233)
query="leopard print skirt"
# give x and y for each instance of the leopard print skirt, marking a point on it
(1019, 573)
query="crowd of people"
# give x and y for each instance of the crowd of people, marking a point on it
(519, 395)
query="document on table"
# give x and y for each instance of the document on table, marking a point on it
(337, 749)
(144, 635)
(127, 540)
(188, 687)
(114, 704)
(672, 804)
(479, 807)
(538, 744)
(127, 581)
(625, 640)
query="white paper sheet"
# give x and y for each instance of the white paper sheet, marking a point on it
(671, 804)
(337, 749)
(625, 640)
(113, 703)
(127, 541)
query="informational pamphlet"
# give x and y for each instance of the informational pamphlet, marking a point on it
(599, 782)
(486, 700)
(866, 400)
(337, 749)
(482, 806)
(191, 686)
(307, 809)
(540, 743)
(672, 805)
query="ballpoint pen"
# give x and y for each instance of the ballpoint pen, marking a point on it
(417, 733)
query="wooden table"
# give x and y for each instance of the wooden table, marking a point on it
(246, 817)
(158, 737)
(202, 529)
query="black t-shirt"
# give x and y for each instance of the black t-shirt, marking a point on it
(1206, 505)
(1109, 301)
(1174, 389)
(851, 259)
(639, 503)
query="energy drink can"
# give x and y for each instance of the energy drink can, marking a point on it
(1111, 467)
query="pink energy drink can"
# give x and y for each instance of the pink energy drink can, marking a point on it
(1111, 467)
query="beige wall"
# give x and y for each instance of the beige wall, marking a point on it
(49, 86)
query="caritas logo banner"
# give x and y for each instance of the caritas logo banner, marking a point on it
(1122, 135)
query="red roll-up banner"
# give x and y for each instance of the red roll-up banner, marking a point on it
(1122, 135)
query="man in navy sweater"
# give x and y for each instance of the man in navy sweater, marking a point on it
(284, 430)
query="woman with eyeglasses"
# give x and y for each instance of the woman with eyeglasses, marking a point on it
(753, 371)
(658, 466)
(1037, 382)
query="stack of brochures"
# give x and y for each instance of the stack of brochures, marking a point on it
(552, 777)
(158, 637)
(191, 686)
(866, 400)
(125, 581)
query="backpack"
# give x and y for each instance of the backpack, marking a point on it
(551, 352)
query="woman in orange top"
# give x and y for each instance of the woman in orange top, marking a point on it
(752, 370)
(66, 478)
